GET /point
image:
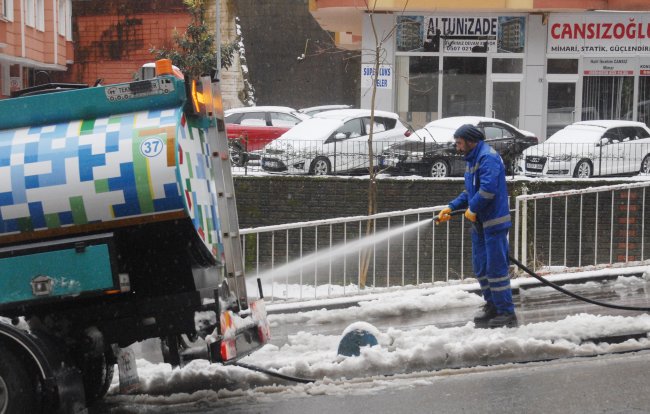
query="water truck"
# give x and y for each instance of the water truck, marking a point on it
(118, 223)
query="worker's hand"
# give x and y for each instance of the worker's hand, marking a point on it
(470, 215)
(444, 215)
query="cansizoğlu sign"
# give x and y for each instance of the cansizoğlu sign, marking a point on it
(599, 33)
(600, 30)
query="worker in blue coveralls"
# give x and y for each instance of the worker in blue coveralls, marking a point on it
(486, 202)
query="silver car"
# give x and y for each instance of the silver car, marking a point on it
(333, 142)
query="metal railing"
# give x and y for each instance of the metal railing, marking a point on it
(577, 228)
(563, 229)
(629, 157)
(326, 258)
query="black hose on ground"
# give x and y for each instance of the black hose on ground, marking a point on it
(574, 295)
(274, 373)
(561, 289)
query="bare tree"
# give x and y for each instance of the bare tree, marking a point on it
(378, 55)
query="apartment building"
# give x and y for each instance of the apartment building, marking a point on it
(35, 42)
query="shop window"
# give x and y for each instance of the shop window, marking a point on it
(464, 83)
(417, 95)
(502, 65)
(607, 97)
(562, 66)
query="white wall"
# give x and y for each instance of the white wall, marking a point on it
(384, 24)
(534, 79)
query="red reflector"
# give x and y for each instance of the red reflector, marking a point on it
(228, 350)
(407, 133)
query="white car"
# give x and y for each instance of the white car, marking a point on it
(590, 148)
(332, 142)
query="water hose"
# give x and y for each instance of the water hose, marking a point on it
(559, 288)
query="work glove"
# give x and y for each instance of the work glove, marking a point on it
(444, 215)
(470, 215)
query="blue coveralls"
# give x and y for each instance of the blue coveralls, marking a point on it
(486, 195)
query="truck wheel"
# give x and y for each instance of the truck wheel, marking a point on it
(19, 387)
(97, 376)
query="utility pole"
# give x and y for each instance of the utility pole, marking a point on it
(217, 37)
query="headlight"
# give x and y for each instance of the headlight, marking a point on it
(416, 154)
(563, 157)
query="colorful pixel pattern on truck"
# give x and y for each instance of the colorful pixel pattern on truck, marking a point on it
(105, 170)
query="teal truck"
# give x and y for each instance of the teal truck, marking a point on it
(118, 223)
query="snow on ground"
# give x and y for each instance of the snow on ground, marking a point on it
(406, 356)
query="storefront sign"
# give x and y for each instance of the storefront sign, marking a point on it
(384, 80)
(644, 66)
(608, 66)
(461, 34)
(599, 33)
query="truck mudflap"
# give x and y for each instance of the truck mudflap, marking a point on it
(62, 385)
(240, 336)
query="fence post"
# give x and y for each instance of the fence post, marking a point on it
(524, 229)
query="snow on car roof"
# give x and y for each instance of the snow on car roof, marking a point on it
(261, 109)
(352, 113)
(312, 129)
(609, 123)
(321, 108)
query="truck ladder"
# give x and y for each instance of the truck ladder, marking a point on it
(225, 189)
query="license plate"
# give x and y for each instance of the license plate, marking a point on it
(389, 162)
(531, 166)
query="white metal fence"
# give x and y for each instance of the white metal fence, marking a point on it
(325, 258)
(577, 228)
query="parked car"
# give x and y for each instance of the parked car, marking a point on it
(313, 110)
(430, 151)
(588, 148)
(332, 142)
(251, 128)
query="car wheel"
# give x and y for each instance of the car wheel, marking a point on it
(583, 169)
(238, 156)
(321, 166)
(439, 168)
(645, 165)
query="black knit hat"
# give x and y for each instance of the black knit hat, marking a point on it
(470, 133)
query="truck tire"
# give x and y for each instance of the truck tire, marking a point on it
(97, 376)
(19, 385)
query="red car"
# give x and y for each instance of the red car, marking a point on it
(251, 128)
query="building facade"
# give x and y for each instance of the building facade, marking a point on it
(539, 65)
(35, 42)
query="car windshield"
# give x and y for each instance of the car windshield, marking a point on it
(313, 129)
(577, 134)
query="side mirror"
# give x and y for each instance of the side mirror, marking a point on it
(340, 135)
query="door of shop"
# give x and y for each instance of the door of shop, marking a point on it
(504, 89)
(504, 101)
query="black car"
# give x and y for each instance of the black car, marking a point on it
(430, 151)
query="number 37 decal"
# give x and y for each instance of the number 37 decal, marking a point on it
(151, 147)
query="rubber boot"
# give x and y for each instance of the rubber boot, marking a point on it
(508, 320)
(487, 312)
